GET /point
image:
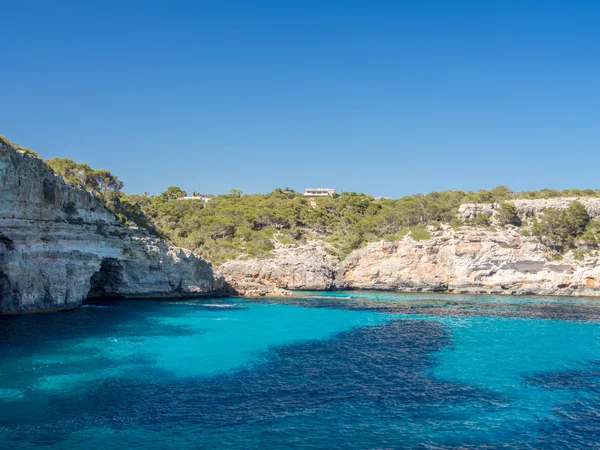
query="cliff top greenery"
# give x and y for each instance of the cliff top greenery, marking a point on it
(247, 225)
(233, 225)
(28, 151)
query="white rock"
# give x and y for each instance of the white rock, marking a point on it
(59, 244)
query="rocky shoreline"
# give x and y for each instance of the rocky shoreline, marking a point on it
(467, 260)
(60, 246)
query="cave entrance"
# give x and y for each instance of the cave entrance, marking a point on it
(104, 284)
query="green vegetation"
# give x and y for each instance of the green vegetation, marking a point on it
(552, 193)
(561, 229)
(481, 220)
(236, 225)
(105, 186)
(83, 176)
(508, 215)
(19, 148)
(173, 193)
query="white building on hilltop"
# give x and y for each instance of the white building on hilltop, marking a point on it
(318, 192)
(202, 198)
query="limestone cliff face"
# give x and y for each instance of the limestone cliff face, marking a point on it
(59, 245)
(468, 260)
(471, 260)
(304, 267)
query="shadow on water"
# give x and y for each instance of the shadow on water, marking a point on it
(333, 391)
(98, 318)
(449, 304)
(370, 387)
(76, 341)
(579, 420)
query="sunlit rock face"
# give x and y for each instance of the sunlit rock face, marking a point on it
(467, 260)
(59, 245)
(293, 267)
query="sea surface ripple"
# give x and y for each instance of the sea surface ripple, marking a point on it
(319, 370)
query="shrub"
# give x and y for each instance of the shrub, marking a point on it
(17, 147)
(558, 229)
(508, 215)
(590, 238)
(419, 233)
(481, 220)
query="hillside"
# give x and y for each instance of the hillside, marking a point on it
(249, 226)
(234, 225)
(536, 242)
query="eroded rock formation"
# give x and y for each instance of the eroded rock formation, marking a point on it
(305, 267)
(59, 244)
(467, 260)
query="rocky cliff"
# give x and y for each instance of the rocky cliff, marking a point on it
(293, 267)
(60, 245)
(468, 260)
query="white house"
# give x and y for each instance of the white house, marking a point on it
(196, 197)
(318, 192)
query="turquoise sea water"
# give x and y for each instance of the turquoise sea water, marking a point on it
(321, 370)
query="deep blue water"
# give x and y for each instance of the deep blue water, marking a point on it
(335, 370)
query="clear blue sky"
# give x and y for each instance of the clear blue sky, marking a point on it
(384, 97)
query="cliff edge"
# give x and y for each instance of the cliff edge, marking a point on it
(60, 245)
(468, 259)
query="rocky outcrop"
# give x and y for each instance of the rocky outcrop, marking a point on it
(467, 260)
(293, 267)
(470, 211)
(529, 209)
(60, 245)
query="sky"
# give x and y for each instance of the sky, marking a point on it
(389, 98)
